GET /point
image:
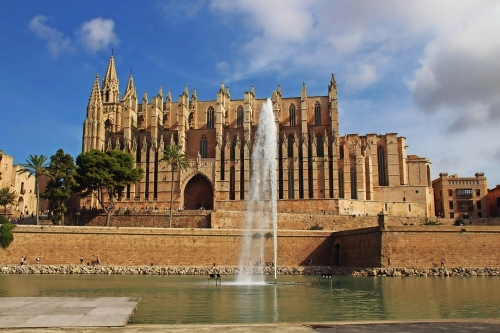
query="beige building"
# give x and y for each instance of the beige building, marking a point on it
(363, 174)
(494, 201)
(461, 197)
(20, 183)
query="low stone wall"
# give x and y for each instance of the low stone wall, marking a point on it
(300, 270)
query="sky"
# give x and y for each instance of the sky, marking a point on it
(427, 70)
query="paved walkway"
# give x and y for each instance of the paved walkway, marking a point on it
(38, 312)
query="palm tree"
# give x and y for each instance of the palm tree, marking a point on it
(178, 160)
(7, 198)
(36, 166)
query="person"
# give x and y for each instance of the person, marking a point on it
(22, 261)
(442, 263)
(97, 261)
(38, 260)
(310, 261)
(81, 260)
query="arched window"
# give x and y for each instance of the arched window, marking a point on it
(354, 187)
(320, 151)
(239, 117)
(341, 152)
(341, 183)
(290, 183)
(232, 185)
(291, 114)
(203, 147)
(22, 188)
(291, 141)
(233, 149)
(382, 179)
(317, 114)
(210, 118)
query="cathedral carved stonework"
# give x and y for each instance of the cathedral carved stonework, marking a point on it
(314, 162)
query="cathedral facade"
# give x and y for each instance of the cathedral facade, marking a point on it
(314, 161)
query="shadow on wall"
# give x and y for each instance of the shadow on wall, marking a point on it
(321, 255)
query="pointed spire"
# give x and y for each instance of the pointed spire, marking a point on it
(110, 83)
(253, 90)
(130, 90)
(279, 88)
(333, 83)
(304, 91)
(194, 97)
(169, 95)
(145, 98)
(222, 86)
(160, 93)
(95, 96)
(227, 91)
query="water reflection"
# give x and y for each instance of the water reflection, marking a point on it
(189, 299)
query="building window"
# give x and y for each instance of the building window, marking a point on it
(210, 118)
(451, 204)
(291, 141)
(239, 117)
(317, 114)
(464, 193)
(341, 152)
(452, 215)
(478, 205)
(382, 179)
(203, 147)
(233, 149)
(498, 202)
(341, 183)
(450, 193)
(290, 183)
(478, 193)
(232, 184)
(465, 205)
(354, 189)
(291, 114)
(320, 152)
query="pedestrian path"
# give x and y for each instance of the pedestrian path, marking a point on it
(44, 312)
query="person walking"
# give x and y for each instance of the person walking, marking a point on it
(442, 263)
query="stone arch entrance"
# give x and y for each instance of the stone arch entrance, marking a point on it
(198, 193)
(20, 204)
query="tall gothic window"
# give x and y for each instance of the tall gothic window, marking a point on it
(239, 117)
(382, 179)
(290, 183)
(317, 114)
(210, 118)
(320, 151)
(291, 114)
(341, 183)
(291, 141)
(341, 152)
(354, 187)
(233, 149)
(232, 185)
(203, 147)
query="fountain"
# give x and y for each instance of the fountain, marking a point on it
(261, 211)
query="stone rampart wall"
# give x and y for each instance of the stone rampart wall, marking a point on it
(148, 219)
(158, 246)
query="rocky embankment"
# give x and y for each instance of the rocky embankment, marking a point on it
(307, 270)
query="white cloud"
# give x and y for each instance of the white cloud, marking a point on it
(364, 77)
(98, 34)
(57, 42)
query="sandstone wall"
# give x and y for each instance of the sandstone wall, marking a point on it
(166, 247)
(148, 219)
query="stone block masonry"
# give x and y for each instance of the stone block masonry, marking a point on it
(58, 245)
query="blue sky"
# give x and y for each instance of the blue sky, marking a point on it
(427, 70)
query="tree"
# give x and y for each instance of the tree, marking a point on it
(105, 174)
(62, 171)
(7, 197)
(35, 166)
(178, 160)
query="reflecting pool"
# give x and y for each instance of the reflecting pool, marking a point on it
(191, 299)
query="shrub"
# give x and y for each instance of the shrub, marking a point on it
(127, 212)
(6, 236)
(256, 236)
(268, 235)
(316, 227)
(431, 222)
(3, 219)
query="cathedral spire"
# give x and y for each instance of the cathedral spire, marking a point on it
(95, 100)
(110, 83)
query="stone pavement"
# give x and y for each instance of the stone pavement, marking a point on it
(43, 312)
(406, 327)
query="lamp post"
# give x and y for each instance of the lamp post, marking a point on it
(77, 215)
